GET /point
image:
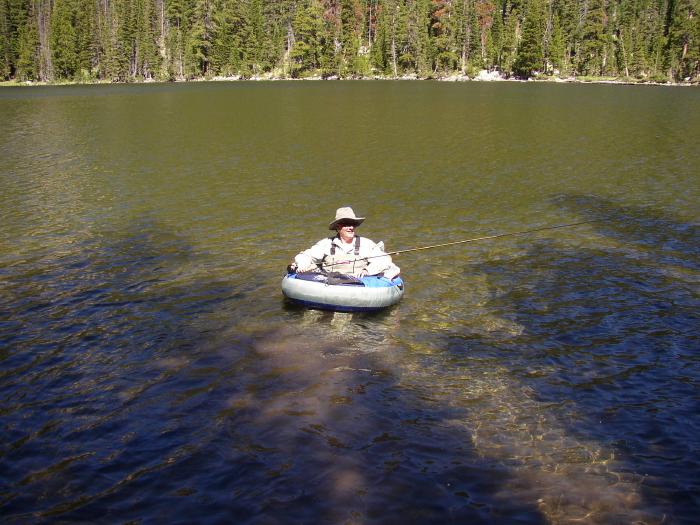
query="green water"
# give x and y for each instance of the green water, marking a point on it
(425, 161)
(149, 363)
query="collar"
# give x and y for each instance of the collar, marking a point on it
(340, 244)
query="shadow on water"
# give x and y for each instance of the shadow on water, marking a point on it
(597, 333)
(666, 240)
(99, 337)
(127, 395)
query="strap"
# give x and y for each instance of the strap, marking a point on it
(357, 245)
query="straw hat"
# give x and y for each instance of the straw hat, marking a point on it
(345, 214)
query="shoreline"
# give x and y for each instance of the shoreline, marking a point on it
(482, 77)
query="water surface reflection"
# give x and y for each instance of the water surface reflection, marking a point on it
(150, 369)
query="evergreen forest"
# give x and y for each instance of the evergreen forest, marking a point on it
(138, 40)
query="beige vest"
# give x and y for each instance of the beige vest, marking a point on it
(349, 263)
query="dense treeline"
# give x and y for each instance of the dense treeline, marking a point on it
(130, 40)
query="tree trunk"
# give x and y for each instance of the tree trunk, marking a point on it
(43, 24)
(624, 53)
(393, 44)
(369, 27)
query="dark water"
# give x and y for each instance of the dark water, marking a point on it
(150, 371)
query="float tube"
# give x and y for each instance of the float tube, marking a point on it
(362, 295)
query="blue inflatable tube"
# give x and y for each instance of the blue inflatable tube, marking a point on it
(374, 293)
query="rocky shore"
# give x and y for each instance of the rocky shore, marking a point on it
(481, 76)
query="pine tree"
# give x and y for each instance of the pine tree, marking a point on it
(277, 17)
(530, 58)
(198, 47)
(226, 49)
(307, 25)
(658, 44)
(149, 59)
(443, 32)
(643, 25)
(485, 10)
(381, 47)
(682, 53)
(5, 42)
(330, 56)
(496, 39)
(637, 62)
(473, 43)
(510, 44)
(86, 38)
(403, 56)
(122, 30)
(570, 18)
(178, 14)
(15, 17)
(352, 18)
(593, 40)
(63, 39)
(557, 47)
(103, 43)
(252, 36)
(425, 52)
(28, 60)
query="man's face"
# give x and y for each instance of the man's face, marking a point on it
(346, 231)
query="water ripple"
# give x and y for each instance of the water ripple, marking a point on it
(150, 369)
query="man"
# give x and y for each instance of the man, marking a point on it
(346, 252)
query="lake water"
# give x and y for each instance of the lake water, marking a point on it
(151, 372)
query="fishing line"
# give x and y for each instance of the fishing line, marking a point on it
(487, 237)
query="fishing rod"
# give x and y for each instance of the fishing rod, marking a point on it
(475, 239)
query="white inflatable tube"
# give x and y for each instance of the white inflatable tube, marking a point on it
(377, 293)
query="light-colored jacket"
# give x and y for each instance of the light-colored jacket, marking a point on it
(344, 260)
